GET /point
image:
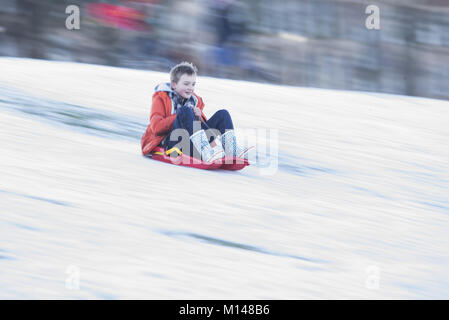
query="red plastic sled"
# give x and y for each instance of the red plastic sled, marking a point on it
(180, 159)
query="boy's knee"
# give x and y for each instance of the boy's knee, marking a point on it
(223, 113)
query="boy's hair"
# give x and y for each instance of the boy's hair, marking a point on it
(182, 68)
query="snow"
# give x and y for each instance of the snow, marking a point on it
(351, 204)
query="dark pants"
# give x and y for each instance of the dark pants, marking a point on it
(185, 125)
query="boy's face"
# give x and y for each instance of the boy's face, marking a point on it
(185, 85)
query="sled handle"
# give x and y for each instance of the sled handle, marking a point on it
(168, 152)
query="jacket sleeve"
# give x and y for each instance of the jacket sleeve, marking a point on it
(160, 123)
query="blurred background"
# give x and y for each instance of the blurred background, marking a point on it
(311, 43)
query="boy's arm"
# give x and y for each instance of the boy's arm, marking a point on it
(160, 123)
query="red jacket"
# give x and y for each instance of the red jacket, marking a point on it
(161, 121)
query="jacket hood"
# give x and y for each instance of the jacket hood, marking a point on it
(164, 86)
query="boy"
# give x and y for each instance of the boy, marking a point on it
(177, 119)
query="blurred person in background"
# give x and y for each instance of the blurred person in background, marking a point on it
(147, 40)
(230, 19)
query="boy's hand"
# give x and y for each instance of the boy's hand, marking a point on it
(197, 112)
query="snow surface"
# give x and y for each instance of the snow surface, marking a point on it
(352, 202)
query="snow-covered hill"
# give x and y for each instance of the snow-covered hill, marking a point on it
(352, 202)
